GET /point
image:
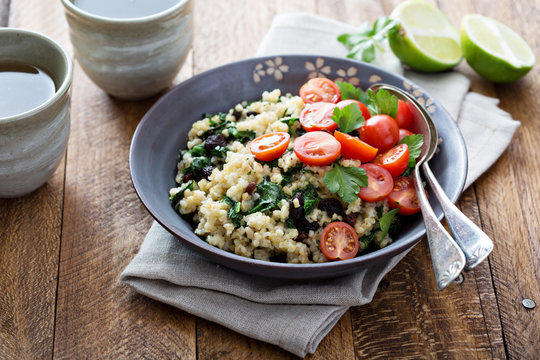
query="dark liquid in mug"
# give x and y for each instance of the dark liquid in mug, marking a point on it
(23, 87)
(124, 9)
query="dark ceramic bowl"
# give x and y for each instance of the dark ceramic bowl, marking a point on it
(163, 131)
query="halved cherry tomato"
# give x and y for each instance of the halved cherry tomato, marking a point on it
(270, 146)
(403, 133)
(317, 148)
(403, 196)
(354, 148)
(404, 117)
(380, 131)
(380, 183)
(320, 89)
(395, 160)
(365, 112)
(318, 116)
(339, 241)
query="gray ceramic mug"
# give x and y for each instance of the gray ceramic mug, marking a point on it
(133, 58)
(32, 143)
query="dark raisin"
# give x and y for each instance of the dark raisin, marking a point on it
(187, 176)
(279, 258)
(331, 206)
(350, 218)
(296, 213)
(251, 187)
(207, 171)
(252, 113)
(237, 114)
(302, 237)
(305, 225)
(214, 141)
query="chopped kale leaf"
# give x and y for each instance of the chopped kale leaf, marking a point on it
(235, 213)
(311, 197)
(290, 121)
(270, 196)
(175, 199)
(241, 135)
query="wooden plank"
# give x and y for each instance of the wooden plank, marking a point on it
(508, 196)
(29, 248)
(409, 318)
(468, 203)
(104, 225)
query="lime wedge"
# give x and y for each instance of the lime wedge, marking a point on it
(424, 39)
(494, 50)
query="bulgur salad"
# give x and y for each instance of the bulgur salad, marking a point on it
(300, 179)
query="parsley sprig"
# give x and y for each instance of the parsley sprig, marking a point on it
(362, 45)
(349, 118)
(414, 142)
(382, 103)
(346, 181)
(349, 91)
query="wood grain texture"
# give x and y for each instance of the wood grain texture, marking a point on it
(63, 247)
(30, 233)
(508, 195)
(29, 246)
(104, 224)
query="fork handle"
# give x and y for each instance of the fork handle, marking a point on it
(447, 258)
(476, 245)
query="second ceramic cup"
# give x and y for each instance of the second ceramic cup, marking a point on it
(133, 58)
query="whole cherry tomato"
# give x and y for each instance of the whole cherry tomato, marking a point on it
(380, 131)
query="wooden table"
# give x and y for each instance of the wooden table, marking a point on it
(63, 247)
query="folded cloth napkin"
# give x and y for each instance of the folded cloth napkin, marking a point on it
(297, 315)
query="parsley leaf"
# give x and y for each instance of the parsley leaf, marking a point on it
(349, 118)
(349, 91)
(414, 142)
(362, 45)
(386, 220)
(382, 103)
(235, 214)
(270, 195)
(346, 182)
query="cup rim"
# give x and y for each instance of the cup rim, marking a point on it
(69, 5)
(62, 89)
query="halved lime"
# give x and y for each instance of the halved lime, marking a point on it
(424, 39)
(494, 50)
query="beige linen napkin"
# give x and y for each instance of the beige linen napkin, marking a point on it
(297, 315)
